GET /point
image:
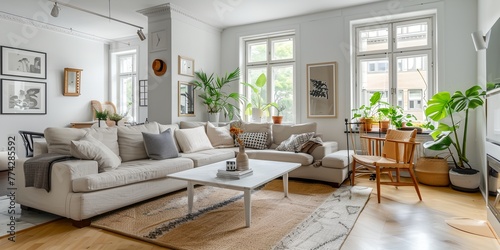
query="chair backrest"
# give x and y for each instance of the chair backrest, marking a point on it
(28, 137)
(399, 151)
(97, 105)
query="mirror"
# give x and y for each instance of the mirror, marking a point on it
(72, 79)
(186, 99)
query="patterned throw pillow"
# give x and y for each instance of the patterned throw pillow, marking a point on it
(254, 140)
(295, 142)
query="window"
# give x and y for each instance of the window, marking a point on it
(124, 82)
(395, 58)
(275, 57)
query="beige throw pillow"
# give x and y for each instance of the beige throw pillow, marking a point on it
(193, 139)
(219, 136)
(89, 148)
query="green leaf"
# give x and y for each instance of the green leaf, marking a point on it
(438, 106)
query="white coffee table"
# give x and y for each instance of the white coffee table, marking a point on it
(263, 172)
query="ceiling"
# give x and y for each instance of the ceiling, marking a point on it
(217, 13)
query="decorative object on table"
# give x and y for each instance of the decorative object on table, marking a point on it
(23, 63)
(115, 117)
(143, 93)
(234, 174)
(242, 157)
(230, 165)
(395, 115)
(159, 67)
(278, 118)
(23, 97)
(72, 80)
(101, 117)
(444, 105)
(213, 96)
(322, 90)
(257, 107)
(186, 99)
(186, 66)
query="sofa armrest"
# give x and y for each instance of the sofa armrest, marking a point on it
(327, 148)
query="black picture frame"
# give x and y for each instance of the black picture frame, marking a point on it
(23, 63)
(23, 97)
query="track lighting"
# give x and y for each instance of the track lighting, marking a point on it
(55, 10)
(141, 35)
(55, 13)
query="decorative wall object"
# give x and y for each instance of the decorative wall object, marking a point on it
(23, 97)
(143, 93)
(186, 99)
(322, 90)
(23, 63)
(186, 66)
(72, 78)
(158, 40)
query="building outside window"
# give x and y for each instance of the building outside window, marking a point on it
(275, 57)
(397, 59)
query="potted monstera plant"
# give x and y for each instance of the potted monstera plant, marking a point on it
(447, 109)
(215, 98)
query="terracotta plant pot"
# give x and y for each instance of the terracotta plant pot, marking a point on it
(366, 124)
(384, 126)
(277, 119)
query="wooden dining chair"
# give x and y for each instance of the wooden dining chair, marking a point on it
(389, 155)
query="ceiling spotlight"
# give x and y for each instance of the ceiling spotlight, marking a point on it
(141, 35)
(55, 10)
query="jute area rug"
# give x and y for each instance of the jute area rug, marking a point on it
(313, 216)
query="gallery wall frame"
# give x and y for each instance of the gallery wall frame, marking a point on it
(143, 93)
(186, 99)
(72, 81)
(322, 90)
(23, 63)
(186, 66)
(23, 97)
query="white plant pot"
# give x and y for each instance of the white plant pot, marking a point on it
(257, 115)
(213, 117)
(465, 182)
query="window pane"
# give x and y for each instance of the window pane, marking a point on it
(411, 35)
(282, 79)
(257, 52)
(373, 80)
(127, 95)
(373, 39)
(252, 75)
(412, 82)
(126, 64)
(282, 49)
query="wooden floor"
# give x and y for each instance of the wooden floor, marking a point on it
(400, 221)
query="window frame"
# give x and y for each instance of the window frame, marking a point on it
(117, 81)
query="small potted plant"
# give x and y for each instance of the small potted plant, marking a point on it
(277, 119)
(257, 107)
(396, 116)
(444, 105)
(115, 117)
(366, 113)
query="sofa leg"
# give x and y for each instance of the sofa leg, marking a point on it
(335, 185)
(26, 208)
(81, 223)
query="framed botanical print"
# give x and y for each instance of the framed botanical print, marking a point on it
(322, 90)
(23, 63)
(23, 97)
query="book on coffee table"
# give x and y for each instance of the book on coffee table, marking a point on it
(234, 174)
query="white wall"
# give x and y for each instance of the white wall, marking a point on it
(62, 51)
(325, 37)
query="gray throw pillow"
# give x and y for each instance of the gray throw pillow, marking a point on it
(160, 146)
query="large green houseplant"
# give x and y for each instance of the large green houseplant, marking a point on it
(446, 107)
(213, 95)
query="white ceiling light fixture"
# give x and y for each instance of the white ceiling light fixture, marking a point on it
(55, 13)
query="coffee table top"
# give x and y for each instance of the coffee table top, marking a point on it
(263, 172)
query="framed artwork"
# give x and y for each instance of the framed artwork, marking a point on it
(322, 90)
(186, 99)
(23, 63)
(72, 79)
(23, 97)
(158, 40)
(143, 93)
(186, 66)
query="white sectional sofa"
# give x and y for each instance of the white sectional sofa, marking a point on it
(81, 189)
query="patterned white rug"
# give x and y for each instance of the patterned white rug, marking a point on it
(330, 224)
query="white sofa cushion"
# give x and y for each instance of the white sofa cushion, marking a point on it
(173, 128)
(59, 139)
(89, 148)
(285, 156)
(193, 139)
(131, 142)
(282, 132)
(108, 136)
(219, 136)
(131, 172)
(202, 158)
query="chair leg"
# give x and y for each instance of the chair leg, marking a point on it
(415, 183)
(353, 172)
(377, 169)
